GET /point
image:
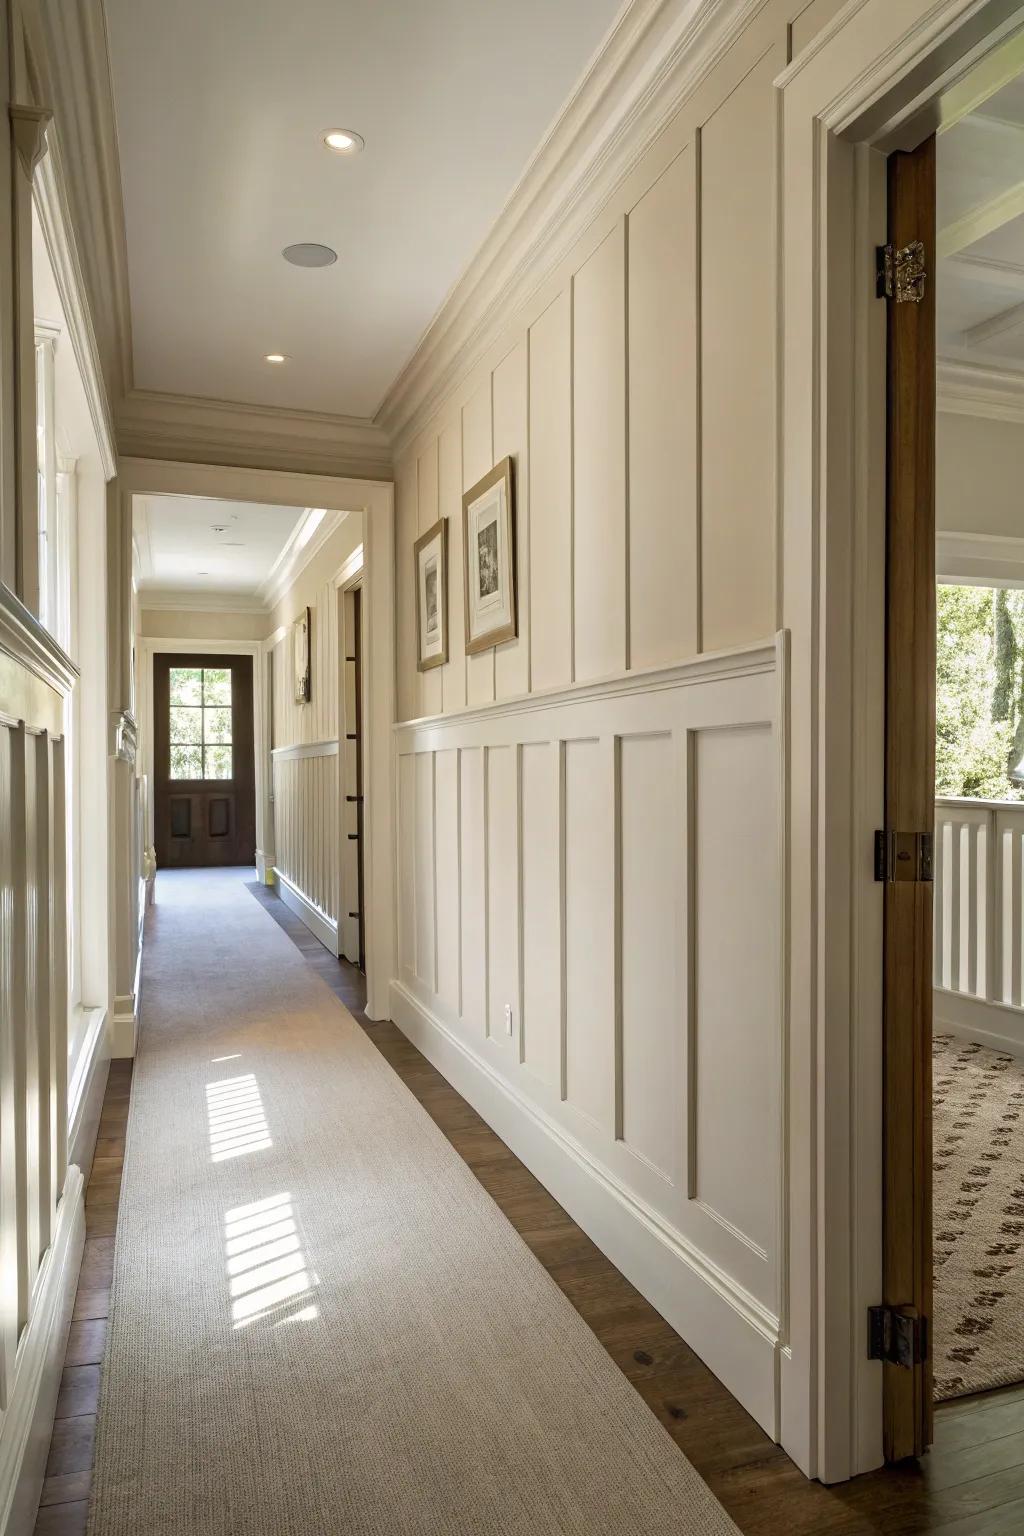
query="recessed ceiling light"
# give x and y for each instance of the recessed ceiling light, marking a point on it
(307, 254)
(275, 357)
(342, 141)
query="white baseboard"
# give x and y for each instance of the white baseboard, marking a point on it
(28, 1422)
(997, 1025)
(124, 1027)
(86, 1088)
(318, 923)
(726, 1328)
(264, 867)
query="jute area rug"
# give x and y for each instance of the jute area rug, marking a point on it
(979, 1218)
(320, 1321)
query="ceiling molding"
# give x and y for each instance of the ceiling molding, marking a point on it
(302, 546)
(654, 57)
(167, 600)
(982, 559)
(978, 222)
(69, 46)
(996, 325)
(985, 269)
(976, 389)
(151, 425)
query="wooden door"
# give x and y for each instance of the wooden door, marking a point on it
(204, 761)
(909, 801)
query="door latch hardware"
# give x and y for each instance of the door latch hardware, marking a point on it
(896, 1335)
(901, 272)
(903, 856)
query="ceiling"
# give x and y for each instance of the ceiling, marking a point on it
(980, 212)
(220, 109)
(236, 544)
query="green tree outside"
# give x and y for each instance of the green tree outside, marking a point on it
(979, 714)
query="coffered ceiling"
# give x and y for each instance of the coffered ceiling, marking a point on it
(220, 109)
(980, 208)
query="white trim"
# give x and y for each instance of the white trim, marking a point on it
(979, 389)
(655, 55)
(50, 196)
(351, 570)
(711, 666)
(27, 1423)
(307, 538)
(702, 1298)
(319, 924)
(85, 1089)
(979, 559)
(997, 1025)
(329, 748)
(165, 600)
(27, 642)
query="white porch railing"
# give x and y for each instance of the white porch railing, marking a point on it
(979, 899)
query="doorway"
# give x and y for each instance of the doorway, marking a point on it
(204, 761)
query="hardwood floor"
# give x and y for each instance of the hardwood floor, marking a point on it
(971, 1484)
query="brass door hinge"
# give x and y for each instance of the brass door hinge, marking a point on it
(903, 856)
(897, 1335)
(901, 273)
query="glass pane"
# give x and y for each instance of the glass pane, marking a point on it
(217, 725)
(186, 685)
(186, 762)
(217, 685)
(187, 726)
(218, 763)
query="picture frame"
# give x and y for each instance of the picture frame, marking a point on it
(431, 558)
(301, 656)
(489, 560)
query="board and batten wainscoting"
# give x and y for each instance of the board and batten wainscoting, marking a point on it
(590, 927)
(42, 1221)
(979, 921)
(306, 789)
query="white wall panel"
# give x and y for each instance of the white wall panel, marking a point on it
(510, 393)
(550, 473)
(449, 903)
(407, 863)
(541, 1041)
(664, 553)
(589, 935)
(502, 896)
(735, 1043)
(426, 957)
(653, 1019)
(449, 470)
(474, 890)
(599, 460)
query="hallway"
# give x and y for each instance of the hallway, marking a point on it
(303, 1337)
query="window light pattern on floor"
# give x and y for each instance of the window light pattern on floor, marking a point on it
(237, 1122)
(267, 1271)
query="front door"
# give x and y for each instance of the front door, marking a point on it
(205, 794)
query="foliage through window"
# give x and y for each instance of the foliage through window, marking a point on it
(200, 733)
(979, 714)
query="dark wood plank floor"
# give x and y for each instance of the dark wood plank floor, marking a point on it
(971, 1484)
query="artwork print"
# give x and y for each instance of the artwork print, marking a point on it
(489, 548)
(431, 555)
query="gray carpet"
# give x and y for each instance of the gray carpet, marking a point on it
(320, 1321)
(979, 1218)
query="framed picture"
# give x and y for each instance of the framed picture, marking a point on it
(432, 596)
(488, 525)
(301, 657)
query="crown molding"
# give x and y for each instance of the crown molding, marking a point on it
(70, 53)
(190, 429)
(977, 389)
(982, 559)
(655, 56)
(168, 600)
(302, 547)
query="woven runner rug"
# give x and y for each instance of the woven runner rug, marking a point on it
(321, 1323)
(979, 1217)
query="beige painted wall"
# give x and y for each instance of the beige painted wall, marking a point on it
(979, 472)
(188, 624)
(638, 544)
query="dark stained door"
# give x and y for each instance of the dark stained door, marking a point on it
(909, 804)
(204, 762)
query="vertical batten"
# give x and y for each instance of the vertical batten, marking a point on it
(550, 494)
(511, 415)
(45, 1001)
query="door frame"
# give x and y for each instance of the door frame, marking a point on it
(154, 646)
(375, 500)
(870, 83)
(351, 578)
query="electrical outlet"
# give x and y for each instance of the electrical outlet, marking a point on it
(508, 1018)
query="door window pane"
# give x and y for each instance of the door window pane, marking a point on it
(200, 723)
